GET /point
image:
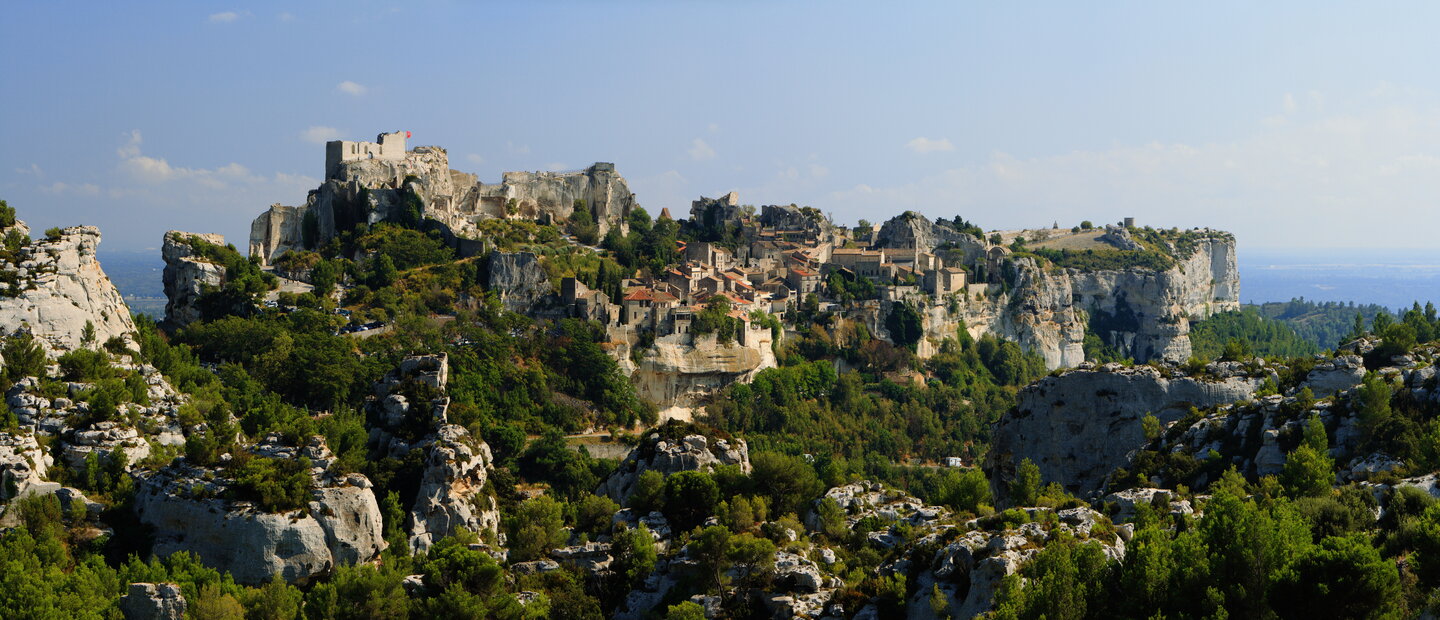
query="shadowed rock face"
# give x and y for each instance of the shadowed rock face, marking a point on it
(1081, 425)
(59, 287)
(187, 275)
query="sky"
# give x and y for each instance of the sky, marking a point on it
(1295, 125)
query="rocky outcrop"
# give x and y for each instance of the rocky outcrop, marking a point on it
(374, 190)
(23, 464)
(1080, 425)
(1336, 375)
(667, 456)
(681, 371)
(187, 275)
(153, 601)
(518, 279)
(911, 230)
(190, 510)
(105, 439)
(452, 490)
(53, 287)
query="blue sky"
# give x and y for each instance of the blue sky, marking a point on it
(1294, 126)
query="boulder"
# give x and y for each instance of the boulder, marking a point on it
(22, 465)
(105, 439)
(153, 601)
(188, 509)
(668, 456)
(1342, 373)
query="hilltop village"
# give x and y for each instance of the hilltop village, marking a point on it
(418, 394)
(911, 281)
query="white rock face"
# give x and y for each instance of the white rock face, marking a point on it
(1147, 313)
(105, 439)
(61, 287)
(343, 526)
(693, 453)
(452, 489)
(1082, 424)
(681, 371)
(1336, 375)
(187, 275)
(22, 466)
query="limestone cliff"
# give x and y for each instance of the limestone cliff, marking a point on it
(518, 279)
(368, 191)
(187, 276)
(1142, 311)
(53, 287)
(1080, 425)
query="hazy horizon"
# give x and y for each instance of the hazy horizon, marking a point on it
(1291, 125)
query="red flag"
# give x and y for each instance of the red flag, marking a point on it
(407, 134)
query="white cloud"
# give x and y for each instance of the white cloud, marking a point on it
(320, 134)
(818, 171)
(556, 166)
(286, 16)
(132, 144)
(924, 145)
(1367, 178)
(32, 170)
(351, 88)
(475, 159)
(82, 189)
(700, 151)
(517, 149)
(714, 128)
(224, 18)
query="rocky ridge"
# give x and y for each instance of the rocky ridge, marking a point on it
(375, 190)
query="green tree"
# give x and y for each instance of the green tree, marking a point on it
(685, 610)
(689, 498)
(1025, 488)
(904, 325)
(1309, 470)
(832, 519)
(649, 492)
(1342, 577)
(634, 553)
(536, 527)
(23, 357)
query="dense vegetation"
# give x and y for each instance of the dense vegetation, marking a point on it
(1324, 324)
(1246, 332)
